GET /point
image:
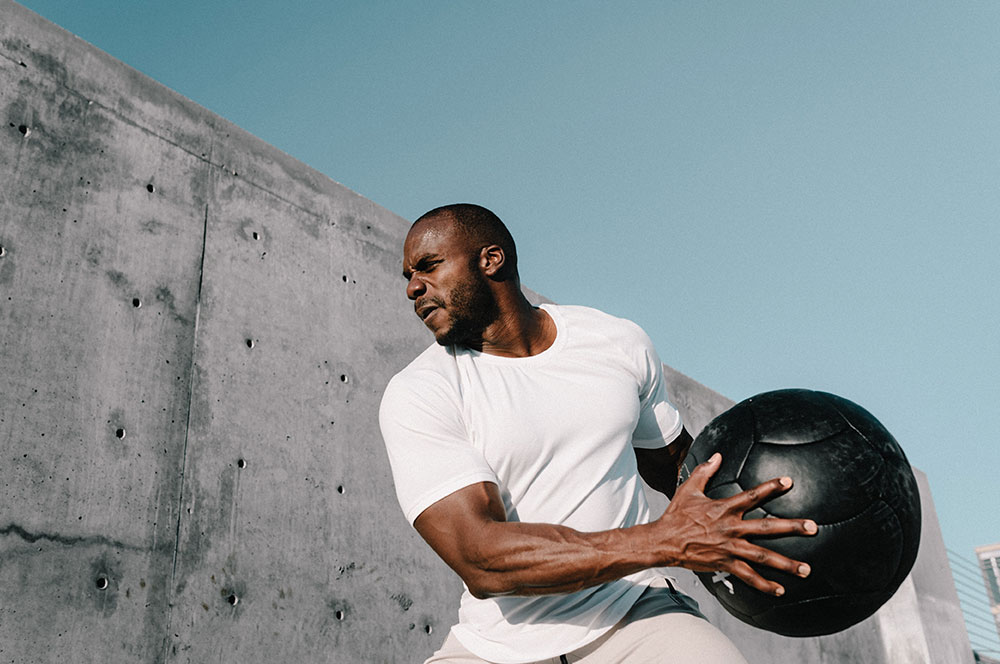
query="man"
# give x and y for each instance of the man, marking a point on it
(516, 444)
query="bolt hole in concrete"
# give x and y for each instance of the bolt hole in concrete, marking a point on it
(102, 583)
(249, 343)
(340, 489)
(339, 615)
(233, 599)
(136, 302)
(150, 188)
(241, 464)
(343, 378)
(25, 129)
(345, 278)
(120, 433)
(2, 250)
(428, 629)
(256, 236)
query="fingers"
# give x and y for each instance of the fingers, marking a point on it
(746, 500)
(774, 527)
(703, 472)
(750, 553)
(753, 497)
(747, 575)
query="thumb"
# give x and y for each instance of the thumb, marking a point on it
(703, 472)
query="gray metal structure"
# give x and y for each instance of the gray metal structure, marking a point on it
(195, 330)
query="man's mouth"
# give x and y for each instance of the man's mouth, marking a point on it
(426, 311)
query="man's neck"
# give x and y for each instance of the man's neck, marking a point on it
(520, 331)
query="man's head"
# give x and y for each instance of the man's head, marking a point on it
(459, 262)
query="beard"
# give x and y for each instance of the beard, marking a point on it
(472, 308)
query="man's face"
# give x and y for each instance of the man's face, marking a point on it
(449, 292)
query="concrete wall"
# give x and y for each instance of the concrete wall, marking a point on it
(167, 491)
(194, 333)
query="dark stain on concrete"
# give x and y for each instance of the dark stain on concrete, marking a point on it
(347, 222)
(119, 280)
(404, 601)
(18, 113)
(93, 254)
(49, 65)
(166, 297)
(15, 44)
(61, 140)
(152, 226)
(73, 109)
(348, 570)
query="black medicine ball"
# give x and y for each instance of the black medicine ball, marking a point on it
(850, 476)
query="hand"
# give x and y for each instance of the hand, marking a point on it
(710, 535)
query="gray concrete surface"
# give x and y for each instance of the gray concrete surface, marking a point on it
(195, 330)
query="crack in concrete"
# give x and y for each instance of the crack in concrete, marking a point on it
(68, 540)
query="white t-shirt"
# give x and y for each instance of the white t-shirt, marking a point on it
(554, 432)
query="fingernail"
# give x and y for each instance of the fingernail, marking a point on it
(715, 457)
(811, 527)
(779, 591)
(786, 482)
(804, 570)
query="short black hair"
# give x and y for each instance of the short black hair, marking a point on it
(479, 226)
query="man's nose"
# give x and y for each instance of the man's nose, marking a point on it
(415, 288)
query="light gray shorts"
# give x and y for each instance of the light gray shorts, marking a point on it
(664, 626)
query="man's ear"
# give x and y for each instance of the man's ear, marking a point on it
(492, 261)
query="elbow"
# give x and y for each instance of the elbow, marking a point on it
(479, 592)
(487, 577)
(484, 585)
(485, 571)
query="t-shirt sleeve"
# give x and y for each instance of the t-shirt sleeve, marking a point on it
(659, 421)
(429, 450)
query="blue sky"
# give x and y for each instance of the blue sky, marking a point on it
(784, 194)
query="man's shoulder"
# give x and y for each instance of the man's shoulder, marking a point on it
(613, 328)
(434, 360)
(434, 371)
(430, 379)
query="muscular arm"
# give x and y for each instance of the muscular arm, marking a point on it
(494, 557)
(660, 467)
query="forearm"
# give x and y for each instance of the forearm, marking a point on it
(539, 559)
